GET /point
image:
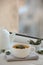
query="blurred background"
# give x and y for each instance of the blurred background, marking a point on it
(9, 14)
(23, 16)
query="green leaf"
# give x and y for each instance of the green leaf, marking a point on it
(32, 42)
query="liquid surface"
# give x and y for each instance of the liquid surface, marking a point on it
(17, 46)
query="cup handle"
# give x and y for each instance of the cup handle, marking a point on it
(32, 49)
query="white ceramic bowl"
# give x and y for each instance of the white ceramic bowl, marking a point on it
(21, 53)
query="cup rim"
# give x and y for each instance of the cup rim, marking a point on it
(21, 44)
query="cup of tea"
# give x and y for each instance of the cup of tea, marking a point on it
(21, 50)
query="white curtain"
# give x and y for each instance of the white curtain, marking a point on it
(31, 20)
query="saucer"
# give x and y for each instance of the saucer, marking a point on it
(32, 56)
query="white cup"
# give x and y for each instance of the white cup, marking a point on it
(21, 53)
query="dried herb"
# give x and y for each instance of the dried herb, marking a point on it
(40, 51)
(3, 50)
(35, 43)
(8, 53)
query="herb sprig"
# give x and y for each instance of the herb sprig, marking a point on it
(35, 43)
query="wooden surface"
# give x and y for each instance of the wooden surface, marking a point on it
(9, 14)
(9, 17)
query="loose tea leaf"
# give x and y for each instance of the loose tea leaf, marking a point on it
(32, 42)
(3, 50)
(8, 53)
(38, 41)
(40, 51)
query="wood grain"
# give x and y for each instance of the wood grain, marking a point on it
(9, 15)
